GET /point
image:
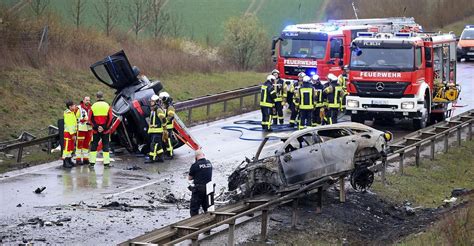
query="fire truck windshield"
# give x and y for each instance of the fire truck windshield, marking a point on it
(381, 58)
(303, 48)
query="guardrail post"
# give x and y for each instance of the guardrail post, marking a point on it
(255, 100)
(241, 103)
(294, 215)
(446, 145)
(384, 166)
(400, 166)
(263, 231)
(342, 189)
(417, 156)
(459, 136)
(194, 242)
(190, 114)
(432, 153)
(470, 131)
(49, 146)
(225, 106)
(231, 241)
(319, 206)
(20, 154)
(208, 109)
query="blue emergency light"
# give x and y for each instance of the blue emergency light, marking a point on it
(311, 71)
(469, 26)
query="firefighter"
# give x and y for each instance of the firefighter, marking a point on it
(306, 102)
(278, 110)
(267, 102)
(70, 129)
(288, 97)
(156, 130)
(294, 113)
(169, 139)
(333, 97)
(342, 83)
(200, 174)
(318, 100)
(100, 118)
(84, 132)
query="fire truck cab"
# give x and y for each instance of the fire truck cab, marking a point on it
(402, 75)
(323, 48)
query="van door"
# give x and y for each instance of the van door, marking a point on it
(115, 71)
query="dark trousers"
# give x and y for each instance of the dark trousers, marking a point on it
(333, 115)
(316, 120)
(305, 118)
(266, 118)
(294, 114)
(156, 146)
(278, 114)
(198, 200)
(95, 141)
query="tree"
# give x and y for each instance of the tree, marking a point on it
(245, 42)
(107, 11)
(158, 18)
(39, 6)
(139, 14)
(77, 10)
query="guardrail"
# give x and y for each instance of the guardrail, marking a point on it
(188, 105)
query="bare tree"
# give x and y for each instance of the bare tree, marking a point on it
(175, 25)
(138, 14)
(77, 11)
(158, 18)
(39, 6)
(107, 11)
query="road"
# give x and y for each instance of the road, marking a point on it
(142, 198)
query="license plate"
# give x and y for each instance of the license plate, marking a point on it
(470, 53)
(384, 102)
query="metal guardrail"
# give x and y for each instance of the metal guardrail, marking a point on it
(191, 228)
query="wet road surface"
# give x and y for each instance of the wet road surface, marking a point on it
(76, 197)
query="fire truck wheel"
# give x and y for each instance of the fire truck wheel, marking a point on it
(421, 123)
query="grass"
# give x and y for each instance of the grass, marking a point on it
(457, 27)
(33, 158)
(432, 182)
(32, 99)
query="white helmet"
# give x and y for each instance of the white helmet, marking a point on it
(275, 71)
(164, 95)
(315, 77)
(301, 75)
(271, 78)
(306, 79)
(332, 77)
(154, 98)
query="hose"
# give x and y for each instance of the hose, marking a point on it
(241, 129)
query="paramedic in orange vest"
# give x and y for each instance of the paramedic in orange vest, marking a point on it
(100, 118)
(84, 132)
(70, 128)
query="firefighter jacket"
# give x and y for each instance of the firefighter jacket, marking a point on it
(267, 95)
(288, 91)
(318, 96)
(82, 116)
(100, 115)
(70, 122)
(296, 98)
(157, 120)
(279, 90)
(169, 113)
(306, 95)
(333, 95)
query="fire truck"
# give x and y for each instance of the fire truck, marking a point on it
(402, 75)
(323, 48)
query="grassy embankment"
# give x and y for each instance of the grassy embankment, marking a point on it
(431, 183)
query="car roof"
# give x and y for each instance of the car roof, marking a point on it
(289, 134)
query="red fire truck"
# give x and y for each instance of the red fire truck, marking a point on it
(323, 48)
(402, 75)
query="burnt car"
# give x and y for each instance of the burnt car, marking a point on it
(131, 105)
(310, 154)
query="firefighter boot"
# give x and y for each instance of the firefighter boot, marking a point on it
(67, 163)
(85, 162)
(79, 162)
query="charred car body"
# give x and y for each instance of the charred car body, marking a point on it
(311, 154)
(131, 106)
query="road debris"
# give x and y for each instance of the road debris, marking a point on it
(133, 168)
(40, 189)
(457, 192)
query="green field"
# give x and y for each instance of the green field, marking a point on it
(203, 19)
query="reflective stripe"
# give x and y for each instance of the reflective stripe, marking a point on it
(264, 97)
(335, 103)
(92, 157)
(306, 98)
(156, 126)
(100, 108)
(70, 121)
(106, 158)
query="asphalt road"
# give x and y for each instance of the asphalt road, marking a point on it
(76, 197)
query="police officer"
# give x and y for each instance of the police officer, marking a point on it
(278, 111)
(318, 100)
(294, 113)
(155, 131)
(267, 101)
(100, 117)
(333, 97)
(306, 103)
(201, 174)
(169, 139)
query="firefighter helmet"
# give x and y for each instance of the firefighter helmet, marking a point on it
(332, 77)
(301, 75)
(275, 71)
(315, 78)
(164, 96)
(271, 78)
(306, 79)
(154, 98)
